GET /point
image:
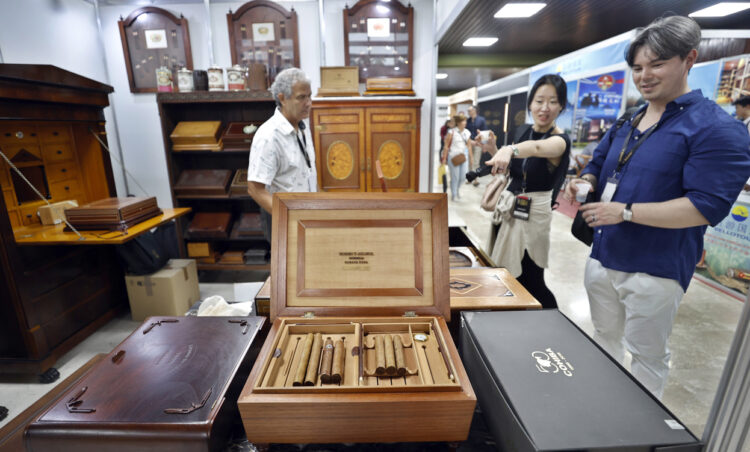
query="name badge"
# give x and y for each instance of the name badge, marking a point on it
(609, 189)
(522, 208)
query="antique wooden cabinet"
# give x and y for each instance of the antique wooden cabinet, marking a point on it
(359, 350)
(51, 297)
(351, 134)
(223, 107)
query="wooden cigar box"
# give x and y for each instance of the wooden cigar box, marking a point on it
(199, 249)
(370, 273)
(239, 183)
(239, 136)
(210, 225)
(462, 256)
(388, 86)
(263, 299)
(339, 81)
(171, 385)
(196, 136)
(207, 182)
(113, 213)
(494, 289)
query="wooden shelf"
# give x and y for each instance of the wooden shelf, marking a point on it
(54, 235)
(240, 267)
(251, 238)
(223, 151)
(214, 96)
(227, 196)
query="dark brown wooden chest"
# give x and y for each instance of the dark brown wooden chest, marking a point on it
(172, 385)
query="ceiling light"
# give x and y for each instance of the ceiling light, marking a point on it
(441, 75)
(479, 42)
(721, 9)
(519, 10)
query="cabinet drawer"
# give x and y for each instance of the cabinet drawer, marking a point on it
(22, 153)
(57, 152)
(4, 177)
(66, 189)
(17, 133)
(10, 199)
(29, 216)
(61, 171)
(54, 133)
(15, 220)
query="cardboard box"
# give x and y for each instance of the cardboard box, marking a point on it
(169, 291)
(544, 385)
(55, 212)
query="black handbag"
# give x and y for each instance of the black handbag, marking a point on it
(580, 229)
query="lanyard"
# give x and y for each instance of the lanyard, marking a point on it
(302, 147)
(625, 158)
(525, 164)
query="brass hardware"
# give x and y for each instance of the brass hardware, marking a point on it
(320, 127)
(410, 127)
(309, 315)
(410, 314)
(369, 164)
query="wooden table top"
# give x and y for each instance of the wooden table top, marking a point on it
(494, 289)
(54, 235)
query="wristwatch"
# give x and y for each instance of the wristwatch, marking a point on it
(515, 150)
(627, 214)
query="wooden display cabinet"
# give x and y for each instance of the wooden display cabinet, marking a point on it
(225, 107)
(51, 297)
(351, 134)
(369, 273)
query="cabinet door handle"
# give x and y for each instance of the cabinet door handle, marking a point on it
(320, 128)
(59, 152)
(410, 127)
(64, 170)
(369, 164)
(67, 188)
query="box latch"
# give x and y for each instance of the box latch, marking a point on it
(410, 314)
(309, 315)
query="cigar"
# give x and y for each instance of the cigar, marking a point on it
(380, 356)
(390, 359)
(299, 377)
(339, 355)
(326, 361)
(400, 360)
(312, 365)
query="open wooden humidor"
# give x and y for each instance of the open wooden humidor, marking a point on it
(359, 350)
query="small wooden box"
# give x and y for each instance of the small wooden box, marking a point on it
(339, 81)
(370, 272)
(197, 136)
(199, 249)
(492, 289)
(239, 136)
(391, 86)
(54, 213)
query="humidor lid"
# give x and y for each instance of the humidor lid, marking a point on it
(354, 254)
(195, 132)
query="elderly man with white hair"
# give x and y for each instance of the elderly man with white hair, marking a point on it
(282, 156)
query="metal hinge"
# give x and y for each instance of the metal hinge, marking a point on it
(410, 314)
(309, 315)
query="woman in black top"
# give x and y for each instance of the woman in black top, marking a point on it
(537, 165)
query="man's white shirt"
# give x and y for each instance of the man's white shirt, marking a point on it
(276, 159)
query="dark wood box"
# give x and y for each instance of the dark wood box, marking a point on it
(239, 183)
(238, 136)
(171, 385)
(113, 213)
(207, 182)
(363, 270)
(210, 225)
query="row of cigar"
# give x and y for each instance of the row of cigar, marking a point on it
(326, 360)
(389, 356)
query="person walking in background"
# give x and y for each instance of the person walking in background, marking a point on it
(449, 124)
(475, 124)
(456, 153)
(537, 164)
(676, 166)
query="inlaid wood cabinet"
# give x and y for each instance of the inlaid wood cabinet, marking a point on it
(352, 134)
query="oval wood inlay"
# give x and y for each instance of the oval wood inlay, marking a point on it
(340, 160)
(391, 156)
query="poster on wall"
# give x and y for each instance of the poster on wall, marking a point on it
(565, 120)
(734, 81)
(598, 104)
(725, 264)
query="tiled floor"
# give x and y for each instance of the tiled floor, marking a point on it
(701, 337)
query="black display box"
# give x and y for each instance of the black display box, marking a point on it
(544, 385)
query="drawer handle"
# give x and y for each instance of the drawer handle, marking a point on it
(59, 152)
(64, 170)
(55, 133)
(67, 188)
(19, 135)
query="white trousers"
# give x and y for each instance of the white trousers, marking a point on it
(634, 310)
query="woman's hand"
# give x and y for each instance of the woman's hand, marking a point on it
(571, 189)
(490, 145)
(501, 160)
(602, 213)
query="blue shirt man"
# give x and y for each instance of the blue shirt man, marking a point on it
(675, 167)
(474, 124)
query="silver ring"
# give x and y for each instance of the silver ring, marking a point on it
(593, 218)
